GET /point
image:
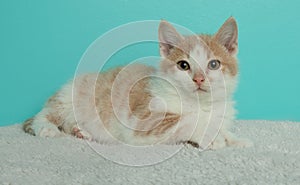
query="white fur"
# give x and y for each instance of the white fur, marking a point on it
(178, 95)
(203, 115)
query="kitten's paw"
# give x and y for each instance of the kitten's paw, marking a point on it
(50, 132)
(42, 129)
(81, 134)
(241, 143)
(233, 141)
(218, 143)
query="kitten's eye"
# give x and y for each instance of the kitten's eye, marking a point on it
(183, 65)
(214, 64)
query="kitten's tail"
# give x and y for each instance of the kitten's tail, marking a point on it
(27, 126)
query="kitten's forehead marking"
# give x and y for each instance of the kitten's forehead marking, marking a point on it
(199, 54)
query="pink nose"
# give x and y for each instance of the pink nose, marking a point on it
(199, 79)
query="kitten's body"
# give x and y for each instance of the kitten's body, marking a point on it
(114, 106)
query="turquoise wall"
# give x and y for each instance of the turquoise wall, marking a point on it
(42, 41)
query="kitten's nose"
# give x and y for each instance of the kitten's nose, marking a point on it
(199, 79)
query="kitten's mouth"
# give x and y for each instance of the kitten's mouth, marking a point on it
(200, 89)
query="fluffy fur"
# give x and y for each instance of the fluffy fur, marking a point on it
(140, 105)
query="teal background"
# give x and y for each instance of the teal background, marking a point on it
(42, 41)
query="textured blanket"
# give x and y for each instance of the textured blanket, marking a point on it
(274, 159)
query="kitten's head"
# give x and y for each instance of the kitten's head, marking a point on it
(196, 63)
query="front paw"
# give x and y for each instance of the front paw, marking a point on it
(218, 143)
(241, 143)
(227, 139)
(233, 141)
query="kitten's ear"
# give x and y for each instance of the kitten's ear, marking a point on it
(228, 36)
(168, 38)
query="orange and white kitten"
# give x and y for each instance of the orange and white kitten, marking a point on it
(190, 93)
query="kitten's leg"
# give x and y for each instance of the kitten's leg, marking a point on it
(41, 125)
(38, 126)
(226, 138)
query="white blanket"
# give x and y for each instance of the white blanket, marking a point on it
(274, 159)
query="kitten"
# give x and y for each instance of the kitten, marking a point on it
(188, 99)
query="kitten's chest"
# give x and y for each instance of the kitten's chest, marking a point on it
(180, 104)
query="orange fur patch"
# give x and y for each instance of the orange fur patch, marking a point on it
(54, 118)
(169, 121)
(228, 61)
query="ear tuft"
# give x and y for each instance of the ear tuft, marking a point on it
(168, 38)
(228, 36)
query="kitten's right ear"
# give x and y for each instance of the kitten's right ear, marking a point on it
(228, 36)
(168, 38)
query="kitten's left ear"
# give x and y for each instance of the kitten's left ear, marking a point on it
(228, 36)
